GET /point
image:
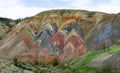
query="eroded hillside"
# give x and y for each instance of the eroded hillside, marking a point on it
(61, 34)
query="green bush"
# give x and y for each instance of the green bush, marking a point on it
(9, 25)
(55, 62)
(43, 63)
(91, 14)
(21, 64)
(36, 62)
(15, 60)
(41, 71)
(118, 70)
(67, 71)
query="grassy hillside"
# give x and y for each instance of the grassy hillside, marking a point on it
(82, 65)
(78, 65)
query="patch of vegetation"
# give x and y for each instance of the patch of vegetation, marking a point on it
(36, 67)
(71, 66)
(41, 71)
(19, 20)
(67, 71)
(22, 65)
(1, 37)
(86, 60)
(118, 71)
(91, 14)
(55, 62)
(43, 63)
(82, 66)
(9, 25)
(4, 19)
(114, 49)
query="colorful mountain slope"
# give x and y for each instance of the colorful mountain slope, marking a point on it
(62, 34)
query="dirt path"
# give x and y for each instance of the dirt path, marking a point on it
(97, 62)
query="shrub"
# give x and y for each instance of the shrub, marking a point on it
(0, 37)
(55, 62)
(43, 63)
(41, 71)
(15, 60)
(9, 25)
(67, 71)
(91, 14)
(36, 62)
(118, 70)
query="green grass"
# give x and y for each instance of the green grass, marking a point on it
(114, 49)
(83, 64)
(86, 60)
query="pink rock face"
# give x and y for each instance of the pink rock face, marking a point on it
(58, 39)
(69, 48)
(81, 50)
(75, 41)
(28, 57)
(78, 44)
(26, 40)
(74, 47)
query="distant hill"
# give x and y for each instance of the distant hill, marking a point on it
(5, 26)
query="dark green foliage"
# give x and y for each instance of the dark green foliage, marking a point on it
(19, 20)
(22, 65)
(43, 63)
(55, 62)
(104, 47)
(62, 12)
(7, 21)
(36, 62)
(118, 70)
(67, 71)
(91, 14)
(4, 19)
(0, 37)
(41, 71)
(9, 25)
(15, 60)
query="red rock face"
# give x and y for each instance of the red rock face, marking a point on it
(28, 57)
(26, 40)
(74, 46)
(58, 39)
(75, 41)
